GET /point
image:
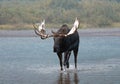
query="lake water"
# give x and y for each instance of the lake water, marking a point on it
(30, 60)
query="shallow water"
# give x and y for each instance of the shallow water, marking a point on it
(30, 60)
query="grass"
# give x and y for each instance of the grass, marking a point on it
(117, 24)
(30, 26)
(16, 27)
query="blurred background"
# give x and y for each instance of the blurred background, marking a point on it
(20, 14)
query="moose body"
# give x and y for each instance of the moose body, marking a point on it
(66, 45)
(65, 41)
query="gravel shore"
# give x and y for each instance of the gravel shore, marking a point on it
(82, 32)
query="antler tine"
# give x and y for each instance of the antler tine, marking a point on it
(40, 33)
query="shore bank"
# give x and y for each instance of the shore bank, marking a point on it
(82, 32)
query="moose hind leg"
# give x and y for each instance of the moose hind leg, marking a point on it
(60, 59)
(75, 57)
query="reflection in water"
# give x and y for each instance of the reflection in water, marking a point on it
(68, 78)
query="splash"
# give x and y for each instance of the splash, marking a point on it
(105, 66)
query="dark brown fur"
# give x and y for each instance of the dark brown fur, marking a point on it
(66, 45)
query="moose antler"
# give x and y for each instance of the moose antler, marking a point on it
(40, 30)
(74, 28)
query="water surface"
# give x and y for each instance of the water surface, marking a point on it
(30, 60)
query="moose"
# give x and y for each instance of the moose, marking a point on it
(65, 41)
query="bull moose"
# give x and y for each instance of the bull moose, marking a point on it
(65, 41)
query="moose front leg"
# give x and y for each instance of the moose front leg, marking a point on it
(66, 58)
(60, 59)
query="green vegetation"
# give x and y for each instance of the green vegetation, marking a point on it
(20, 14)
